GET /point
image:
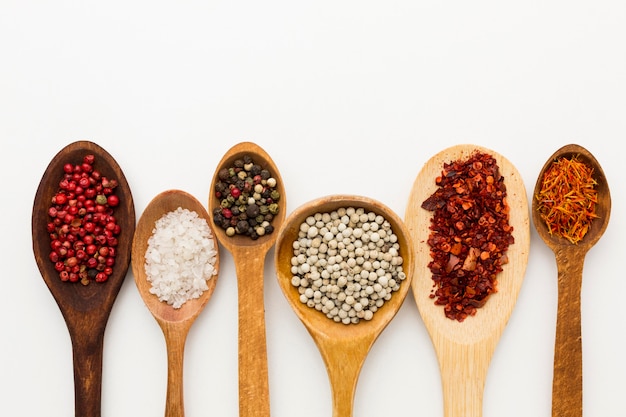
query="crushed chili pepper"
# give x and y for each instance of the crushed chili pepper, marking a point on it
(567, 198)
(469, 234)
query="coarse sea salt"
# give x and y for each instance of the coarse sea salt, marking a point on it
(181, 257)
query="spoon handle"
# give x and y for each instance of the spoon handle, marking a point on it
(567, 384)
(175, 337)
(463, 375)
(87, 350)
(344, 360)
(254, 398)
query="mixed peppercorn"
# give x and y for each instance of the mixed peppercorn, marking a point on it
(470, 234)
(248, 196)
(83, 231)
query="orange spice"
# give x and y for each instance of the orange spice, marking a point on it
(568, 197)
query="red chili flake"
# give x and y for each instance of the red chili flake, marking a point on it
(469, 234)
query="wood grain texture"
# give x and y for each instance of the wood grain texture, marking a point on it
(249, 257)
(175, 323)
(464, 350)
(86, 309)
(567, 384)
(343, 348)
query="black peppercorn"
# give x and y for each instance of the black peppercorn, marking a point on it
(242, 227)
(252, 211)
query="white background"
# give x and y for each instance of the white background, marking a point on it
(347, 97)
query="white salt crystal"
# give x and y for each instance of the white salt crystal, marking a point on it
(181, 257)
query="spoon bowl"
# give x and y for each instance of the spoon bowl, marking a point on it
(603, 207)
(464, 349)
(85, 308)
(567, 381)
(249, 257)
(175, 323)
(343, 347)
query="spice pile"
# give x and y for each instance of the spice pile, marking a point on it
(248, 199)
(470, 234)
(180, 257)
(83, 231)
(567, 198)
(346, 263)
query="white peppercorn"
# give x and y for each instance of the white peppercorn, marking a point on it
(346, 263)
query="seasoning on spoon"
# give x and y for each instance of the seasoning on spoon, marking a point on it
(470, 234)
(248, 199)
(82, 229)
(180, 258)
(346, 263)
(567, 198)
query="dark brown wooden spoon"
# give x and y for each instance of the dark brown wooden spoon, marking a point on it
(249, 257)
(175, 323)
(85, 308)
(567, 381)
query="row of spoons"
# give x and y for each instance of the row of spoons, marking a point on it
(464, 350)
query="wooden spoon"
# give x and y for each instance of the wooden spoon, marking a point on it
(85, 308)
(464, 349)
(249, 257)
(175, 323)
(567, 384)
(343, 347)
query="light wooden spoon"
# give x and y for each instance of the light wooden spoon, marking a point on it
(464, 349)
(567, 384)
(343, 347)
(86, 309)
(175, 323)
(249, 257)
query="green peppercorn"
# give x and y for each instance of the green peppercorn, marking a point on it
(275, 195)
(273, 208)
